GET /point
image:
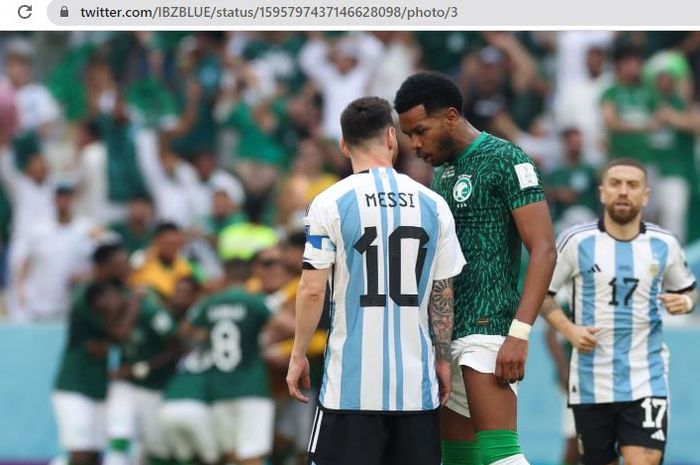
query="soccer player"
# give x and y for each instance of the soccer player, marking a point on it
(623, 271)
(96, 321)
(495, 194)
(387, 247)
(148, 360)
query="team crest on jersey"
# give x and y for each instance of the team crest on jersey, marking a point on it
(653, 269)
(463, 188)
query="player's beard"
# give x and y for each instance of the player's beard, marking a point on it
(447, 150)
(622, 217)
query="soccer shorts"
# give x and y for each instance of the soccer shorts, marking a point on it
(340, 438)
(479, 353)
(189, 430)
(294, 420)
(80, 421)
(244, 426)
(604, 428)
(132, 413)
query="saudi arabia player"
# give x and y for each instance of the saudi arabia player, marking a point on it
(96, 322)
(496, 197)
(623, 272)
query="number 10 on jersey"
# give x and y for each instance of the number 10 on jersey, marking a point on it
(372, 298)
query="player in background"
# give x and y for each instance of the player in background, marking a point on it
(96, 322)
(623, 272)
(387, 247)
(496, 197)
(148, 360)
(222, 383)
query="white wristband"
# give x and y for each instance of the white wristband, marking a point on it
(520, 330)
(688, 303)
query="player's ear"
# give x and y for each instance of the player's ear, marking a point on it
(344, 149)
(647, 194)
(390, 136)
(452, 117)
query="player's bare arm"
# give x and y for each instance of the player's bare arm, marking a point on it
(680, 303)
(583, 338)
(309, 307)
(122, 324)
(441, 313)
(535, 229)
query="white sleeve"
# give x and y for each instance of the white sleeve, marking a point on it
(47, 108)
(565, 268)
(319, 251)
(677, 276)
(9, 172)
(315, 64)
(149, 160)
(449, 259)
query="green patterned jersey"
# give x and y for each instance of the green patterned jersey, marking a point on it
(229, 365)
(482, 186)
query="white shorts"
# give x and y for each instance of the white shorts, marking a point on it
(295, 419)
(132, 414)
(244, 426)
(80, 421)
(189, 430)
(479, 352)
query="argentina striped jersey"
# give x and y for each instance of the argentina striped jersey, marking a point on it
(387, 238)
(615, 287)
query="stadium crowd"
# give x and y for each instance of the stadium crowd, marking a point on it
(179, 164)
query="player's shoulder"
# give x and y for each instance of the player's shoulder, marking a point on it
(575, 234)
(656, 231)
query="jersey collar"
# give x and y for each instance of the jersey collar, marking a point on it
(601, 227)
(471, 147)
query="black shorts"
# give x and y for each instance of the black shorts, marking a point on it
(341, 438)
(603, 428)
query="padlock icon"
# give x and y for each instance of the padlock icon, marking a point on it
(64, 11)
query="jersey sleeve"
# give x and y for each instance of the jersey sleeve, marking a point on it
(565, 267)
(677, 277)
(521, 182)
(319, 251)
(449, 259)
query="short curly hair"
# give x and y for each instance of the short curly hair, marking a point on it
(433, 90)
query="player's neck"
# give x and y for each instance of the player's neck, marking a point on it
(623, 232)
(464, 138)
(365, 161)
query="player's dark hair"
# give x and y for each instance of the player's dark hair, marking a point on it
(165, 227)
(433, 90)
(237, 269)
(365, 118)
(626, 161)
(624, 51)
(97, 290)
(104, 252)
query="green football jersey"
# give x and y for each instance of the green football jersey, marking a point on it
(150, 336)
(634, 106)
(673, 150)
(230, 364)
(79, 371)
(482, 186)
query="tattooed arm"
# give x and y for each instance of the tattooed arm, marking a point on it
(441, 314)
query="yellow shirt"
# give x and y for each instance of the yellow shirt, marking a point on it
(158, 276)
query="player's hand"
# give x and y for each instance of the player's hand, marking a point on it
(97, 349)
(123, 372)
(298, 371)
(583, 338)
(444, 375)
(675, 304)
(510, 362)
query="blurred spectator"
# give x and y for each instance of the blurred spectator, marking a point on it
(268, 271)
(397, 60)
(136, 231)
(673, 153)
(244, 240)
(572, 188)
(627, 108)
(92, 194)
(224, 213)
(579, 105)
(211, 179)
(161, 265)
(52, 259)
(37, 108)
(341, 70)
(499, 79)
